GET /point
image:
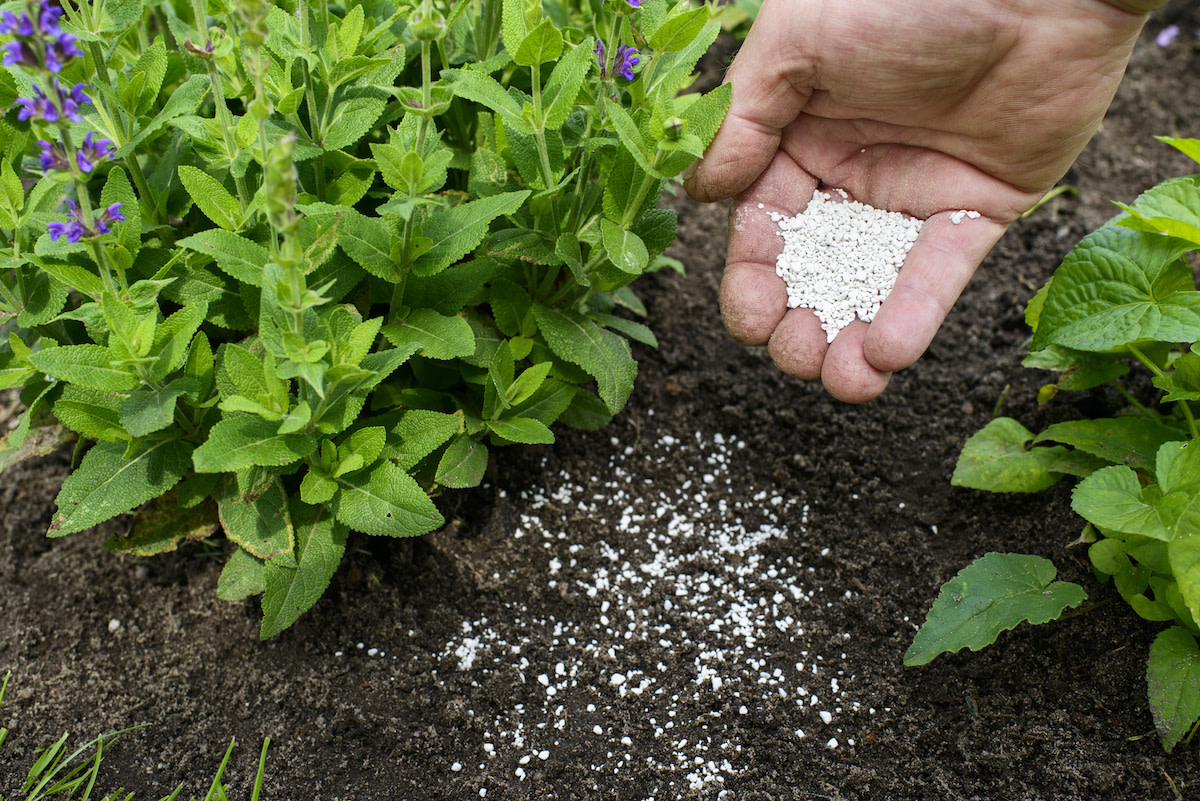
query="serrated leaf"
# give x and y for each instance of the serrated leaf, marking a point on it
(487, 91)
(562, 88)
(463, 464)
(236, 255)
(368, 240)
(1171, 208)
(354, 117)
(996, 459)
(241, 577)
(184, 100)
(385, 501)
(544, 43)
(87, 365)
(625, 249)
(422, 432)
(679, 29)
(993, 594)
(604, 355)
(1173, 684)
(261, 525)
(91, 413)
(162, 526)
(152, 66)
(150, 409)
(1183, 556)
(107, 483)
(212, 198)
(456, 231)
(1131, 441)
(635, 144)
(436, 336)
(1183, 382)
(1112, 498)
(244, 440)
(522, 429)
(291, 591)
(1120, 286)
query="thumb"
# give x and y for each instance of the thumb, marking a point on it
(772, 82)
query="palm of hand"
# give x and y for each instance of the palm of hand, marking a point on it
(925, 108)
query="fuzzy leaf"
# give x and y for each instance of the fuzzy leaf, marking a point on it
(86, 365)
(996, 459)
(184, 100)
(604, 355)
(624, 248)
(487, 91)
(237, 256)
(291, 591)
(993, 594)
(544, 43)
(106, 483)
(463, 464)
(162, 526)
(245, 440)
(150, 409)
(385, 501)
(351, 120)
(261, 525)
(368, 240)
(1173, 683)
(458, 230)
(212, 198)
(523, 430)
(558, 98)
(1131, 441)
(91, 413)
(436, 336)
(241, 577)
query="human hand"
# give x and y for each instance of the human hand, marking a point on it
(920, 106)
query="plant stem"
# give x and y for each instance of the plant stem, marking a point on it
(1182, 404)
(222, 109)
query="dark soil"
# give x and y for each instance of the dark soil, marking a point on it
(1053, 712)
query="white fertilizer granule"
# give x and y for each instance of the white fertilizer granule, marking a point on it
(841, 258)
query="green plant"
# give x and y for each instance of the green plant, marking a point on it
(1125, 294)
(317, 258)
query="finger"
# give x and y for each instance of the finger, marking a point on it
(753, 296)
(846, 372)
(936, 270)
(770, 88)
(798, 344)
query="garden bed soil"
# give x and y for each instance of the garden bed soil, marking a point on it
(709, 599)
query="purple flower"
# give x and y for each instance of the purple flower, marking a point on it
(599, 51)
(19, 54)
(634, 3)
(91, 151)
(74, 228)
(37, 107)
(59, 50)
(40, 43)
(18, 26)
(624, 62)
(52, 157)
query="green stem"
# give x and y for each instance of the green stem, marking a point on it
(539, 136)
(1132, 400)
(1158, 372)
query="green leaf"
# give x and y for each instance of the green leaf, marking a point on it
(352, 118)
(1171, 208)
(12, 196)
(212, 198)
(1131, 441)
(1173, 684)
(631, 137)
(544, 43)
(463, 464)
(261, 525)
(291, 591)
(149, 409)
(385, 501)
(87, 365)
(458, 230)
(1112, 498)
(368, 240)
(119, 15)
(1183, 382)
(1188, 147)
(705, 115)
(237, 256)
(117, 189)
(241, 577)
(558, 98)
(244, 440)
(513, 26)
(630, 328)
(996, 459)
(437, 336)
(152, 65)
(624, 248)
(184, 100)
(162, 526)
(422, 432)
(993, 594)
(1118, 287)
(173, 339)
(91, 413)
(604, 355)
(487, 91)
(679, 29)
(108, 482)
(522, 429)
(1183, 556)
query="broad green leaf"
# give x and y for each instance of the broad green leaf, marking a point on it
(552, 398)
(544, 43)
(558, 98)
(108, 483)
(1188, 147)
(385, 501)
(244, 440)
(624, 248)
(86, 365)
(368, 240)
(487, 91)
(72, 275)
(422, 432)
(456, 231)
(463, 464)
(162, 526)
(152, 64)
(91, 413)
(630, 328)
(1173, 684)
(604, 355)
(184, 100)
(437, 336)
(527, 383)
(1183, 382)
(150, 409)
(212, 198)
(674, 70)
(44, 297)
(513, 25)
(1171, 208)
(237, 256)
(291, 591)
(12, 196)
(1183, 555)
(173, 339)
(118, 189)
(510, 304)
(996, 459)
(352, 118)
(1112, 498)
(679, 29)
(993, 594)
(705, 115)
(1117, 287)
(635, 143)
(1177, 469)
(119, 15)
(522, 429)
(261, 525)
(241, 577)
(1131, 441)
